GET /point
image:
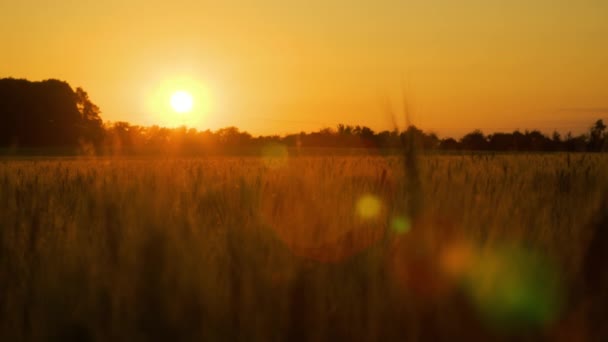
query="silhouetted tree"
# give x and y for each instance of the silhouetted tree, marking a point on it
(575, 144)
(449, 144)
(556, 141)
(121, 137)
(536, 141)
(92, 124)
(47, 113)
(367, 137)
(387, 139)
(345, 129)
(414, 135)
(474, 141)
(597, 136)
(501, 142)
(51, 113)
(231, 136)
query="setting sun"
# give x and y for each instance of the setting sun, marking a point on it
(172, 100)
(181, 101)
(304, 170)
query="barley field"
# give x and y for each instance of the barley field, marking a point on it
(306, 248)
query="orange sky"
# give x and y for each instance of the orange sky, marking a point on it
(275, 66)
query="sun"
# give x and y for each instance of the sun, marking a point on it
(181, 101)
(175, 101)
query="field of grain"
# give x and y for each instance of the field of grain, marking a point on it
(303, 248)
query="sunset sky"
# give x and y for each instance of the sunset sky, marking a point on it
(276, 66)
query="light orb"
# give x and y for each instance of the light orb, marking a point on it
(368, 206)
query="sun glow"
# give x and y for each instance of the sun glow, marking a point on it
(181, 101)
(178, 101)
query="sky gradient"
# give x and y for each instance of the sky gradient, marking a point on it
(273, 66)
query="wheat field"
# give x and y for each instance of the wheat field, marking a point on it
(307, 248)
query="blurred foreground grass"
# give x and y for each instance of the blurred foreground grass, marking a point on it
(305, 248)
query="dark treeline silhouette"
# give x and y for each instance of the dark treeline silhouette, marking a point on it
(47, 113)
(122, 136)
(51, 114)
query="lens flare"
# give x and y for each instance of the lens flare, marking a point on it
(401, 224)
(514, 288)
(275, 155)
(368, 206)
(457, 259)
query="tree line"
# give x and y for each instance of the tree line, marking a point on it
(125, 137)
(47, 113)
(52, 114)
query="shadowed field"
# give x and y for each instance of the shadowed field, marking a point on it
(302, 248)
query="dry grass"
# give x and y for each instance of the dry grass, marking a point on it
(278, 249)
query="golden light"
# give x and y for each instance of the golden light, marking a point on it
(368, 206)
(178, 101)
(181, 101)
